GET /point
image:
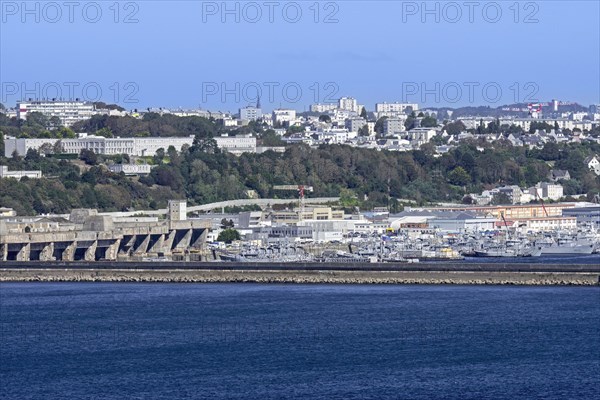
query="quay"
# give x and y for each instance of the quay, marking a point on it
(376, 273)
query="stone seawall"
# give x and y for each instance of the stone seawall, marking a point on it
(296, 276)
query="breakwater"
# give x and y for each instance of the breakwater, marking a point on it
(434, 273)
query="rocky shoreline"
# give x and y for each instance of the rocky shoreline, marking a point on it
(301, 277)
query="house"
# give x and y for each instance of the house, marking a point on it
(593, 163)
(559, 175)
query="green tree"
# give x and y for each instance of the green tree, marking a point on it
(458, 176)
(228, 235)
(363, 113)
(379, 125)
(325, 118)
(500, 199)
(88, 156)
(227, 223)
(429, 122)
(105, 132)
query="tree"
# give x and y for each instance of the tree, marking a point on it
(228, 235)
(46, 148)
(204, 145)
(159, 156)
(105, 132)
(325, 118)
(270, 138)
(364, 131)
(410, 121)
(32, 155)
(225, 223)
(429, 122)
(458, 176)
(379, 125)
(501, 198)
(363, 113)
(454, 128)
(88, 156)
(54, 122)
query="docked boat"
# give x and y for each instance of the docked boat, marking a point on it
(508, 252)
(565, 247)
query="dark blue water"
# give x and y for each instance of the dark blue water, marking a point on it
(175, 341)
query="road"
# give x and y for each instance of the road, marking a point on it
(223, 204)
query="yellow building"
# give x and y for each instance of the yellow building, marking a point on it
(512, 212)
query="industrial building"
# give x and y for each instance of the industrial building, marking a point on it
(90, 236)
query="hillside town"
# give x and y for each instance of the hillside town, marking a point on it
(504, 220)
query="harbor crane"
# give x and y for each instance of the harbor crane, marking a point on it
(302, 189)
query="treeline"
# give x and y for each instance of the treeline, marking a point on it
(65, 186)
(362, 177)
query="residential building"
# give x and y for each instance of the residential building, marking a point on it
(349, 104)
(322, 107)
(593, 163)
(250, 113)
(552, 191)
(392, 108)
(392, 126)
(69, 112)
(559, 175)
(354, 124)
(284, 116)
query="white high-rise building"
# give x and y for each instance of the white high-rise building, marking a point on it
(349, 104)
(69, 112)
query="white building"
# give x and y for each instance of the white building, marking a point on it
(131, 169)
(422, 135)
(463, 222)
(237, 144)
(551, 191)
(5, 173)
(250, 113)
(547, 223)
(284, 116)
(392, 126)
(146, 146)
(394, 109)
(354, 124)
(69, 112)
(593, 163)
(322, 107)
(20, 146)
(349, 104)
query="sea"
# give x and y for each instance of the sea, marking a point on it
(272, 341)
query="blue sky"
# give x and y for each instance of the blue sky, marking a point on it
(204, 54)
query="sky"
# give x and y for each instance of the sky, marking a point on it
(219, 55)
